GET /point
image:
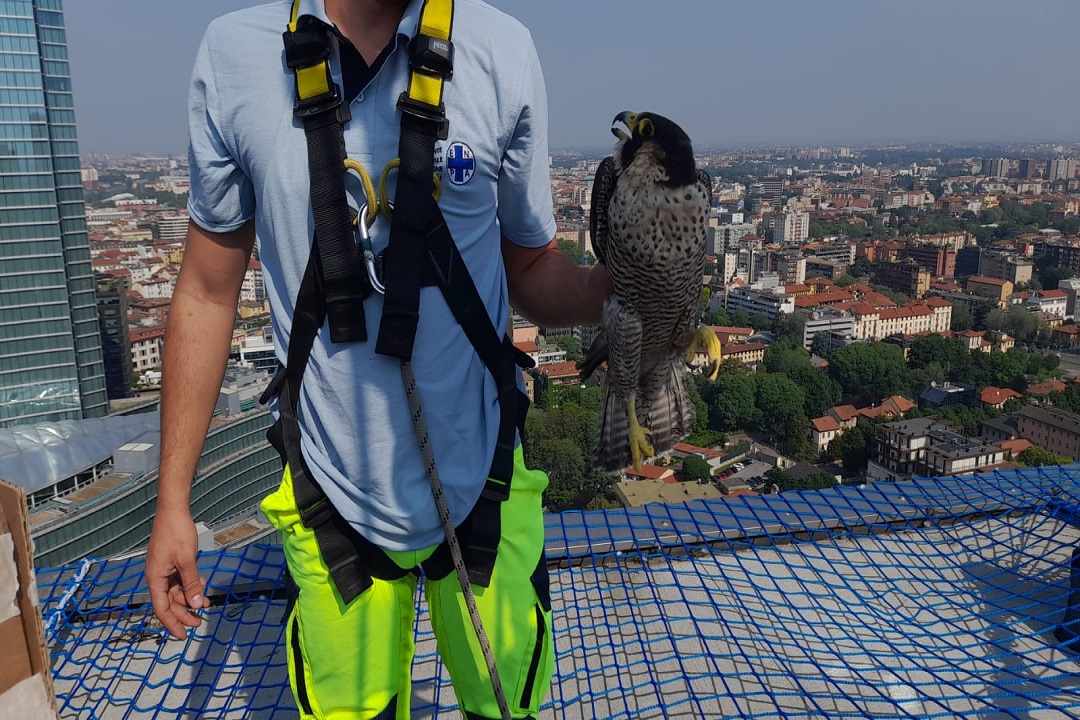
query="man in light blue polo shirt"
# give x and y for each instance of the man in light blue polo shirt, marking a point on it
(249, 186)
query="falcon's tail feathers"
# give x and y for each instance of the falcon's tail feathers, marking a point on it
(669, 417)
(612, 451)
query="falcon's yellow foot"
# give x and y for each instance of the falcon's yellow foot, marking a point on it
(703, 338)
(639, 443)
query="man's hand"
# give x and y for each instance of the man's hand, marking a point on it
(171, 574)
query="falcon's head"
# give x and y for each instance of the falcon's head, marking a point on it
(663, 139)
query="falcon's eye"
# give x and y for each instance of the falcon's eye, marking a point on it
(646, 128)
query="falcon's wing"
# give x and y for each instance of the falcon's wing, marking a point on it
(602, 189)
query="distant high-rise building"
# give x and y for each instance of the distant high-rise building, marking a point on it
(996, 167)
(51, 365)
(1063, 169)
(171, 228)
(791, 228)
(113, 305)
(1028, 169)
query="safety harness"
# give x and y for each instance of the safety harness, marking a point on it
(421, 252)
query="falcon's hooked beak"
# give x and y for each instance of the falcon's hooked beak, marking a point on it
(622, 126)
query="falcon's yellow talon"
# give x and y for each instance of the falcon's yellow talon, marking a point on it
(704, 338)
(639, 444)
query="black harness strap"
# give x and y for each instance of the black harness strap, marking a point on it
(345, 283)
(351, 559)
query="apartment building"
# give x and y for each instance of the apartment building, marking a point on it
(828, 320)
(905, 276)
(1051, 302)
(1051, 429)
(1006, 266)
(993, 289)
(925, 447)
(769, 303)
(874, 323)
(938, 260)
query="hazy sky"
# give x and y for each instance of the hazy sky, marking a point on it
(730, 71)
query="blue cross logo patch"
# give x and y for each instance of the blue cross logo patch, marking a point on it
(460, 163)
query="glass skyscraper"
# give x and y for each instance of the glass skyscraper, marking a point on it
(51, 365)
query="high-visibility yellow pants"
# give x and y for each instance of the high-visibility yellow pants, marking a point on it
(353, 662)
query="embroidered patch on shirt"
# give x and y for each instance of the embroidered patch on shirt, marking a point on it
(460, 163)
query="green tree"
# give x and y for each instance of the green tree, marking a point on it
(701, 408)
(694, 468)
(572, 250)
(572, 347)
(706, 438)
(1051, 275)
(785, 356)
(934, 348)
(779, 401)
(1037, 457)
(719, 316)
(789, 326)
(845, 280)
(870, 371)
(785, 482)
(968, 420)
(820, 391)
(733, 406)
(853, 449)
(961, 318)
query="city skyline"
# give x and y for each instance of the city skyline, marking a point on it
(835, 72)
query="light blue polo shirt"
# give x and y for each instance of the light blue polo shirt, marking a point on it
(249, 161)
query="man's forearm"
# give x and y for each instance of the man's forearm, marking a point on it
(194, 357)
(196, 351)
(554, 292)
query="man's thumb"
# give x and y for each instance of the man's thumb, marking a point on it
(193, 584)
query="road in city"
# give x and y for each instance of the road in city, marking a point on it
(1070, 363)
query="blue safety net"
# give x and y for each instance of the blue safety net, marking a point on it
(935, 598)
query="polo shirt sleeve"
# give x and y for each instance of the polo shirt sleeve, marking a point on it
(222, 197)
(526, 215)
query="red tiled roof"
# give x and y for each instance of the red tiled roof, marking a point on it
(1016, 446)
(1053, 294)
(649, 472)
(527, 346)
(1046, 388)
(825, 424)
(845, 412)
(741, 348)
(983, 280)
(996, 396)
(902, 403)
(561, 370)
(140, 334)
(937, 302)
(731, 330)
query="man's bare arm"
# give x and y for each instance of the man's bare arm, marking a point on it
(197, 338)
(550, 290)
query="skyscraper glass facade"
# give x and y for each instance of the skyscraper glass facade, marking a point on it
(51, 364)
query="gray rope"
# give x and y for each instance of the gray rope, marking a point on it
(451, 536)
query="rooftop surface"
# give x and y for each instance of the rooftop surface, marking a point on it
(929, 598)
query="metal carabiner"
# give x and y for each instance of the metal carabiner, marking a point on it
(363, 234)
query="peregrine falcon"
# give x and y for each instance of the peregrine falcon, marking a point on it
(649, 218)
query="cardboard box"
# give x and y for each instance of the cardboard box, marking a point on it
(26, 689)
